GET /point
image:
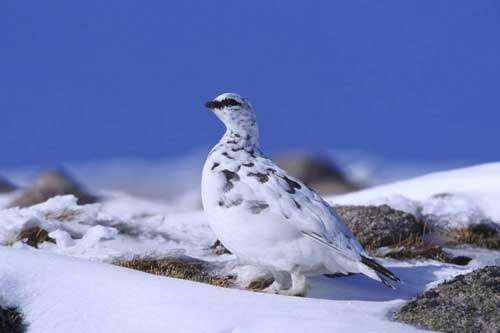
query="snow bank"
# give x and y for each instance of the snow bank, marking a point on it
(121, 228)
(61, 294)
(451, 198)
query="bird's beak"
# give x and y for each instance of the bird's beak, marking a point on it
(211, 104)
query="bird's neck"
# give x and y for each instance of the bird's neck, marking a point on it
(247, 138)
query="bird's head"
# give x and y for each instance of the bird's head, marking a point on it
(235, 112)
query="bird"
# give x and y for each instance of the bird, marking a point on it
(268, 218)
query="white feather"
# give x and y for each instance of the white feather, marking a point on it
(264, 215)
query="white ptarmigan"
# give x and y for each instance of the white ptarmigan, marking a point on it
(269, 218)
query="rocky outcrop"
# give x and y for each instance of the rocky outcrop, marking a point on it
(467, 303)
(387, 232)
(317, 172)
(11, 321)
(377, 226)
(50, 184)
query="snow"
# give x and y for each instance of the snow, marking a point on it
(6, 198)
(62, 294)
(449, 199)
(121, 228)
(70, 285)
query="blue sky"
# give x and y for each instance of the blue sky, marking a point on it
(96, 80)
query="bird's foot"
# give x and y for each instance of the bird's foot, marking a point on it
(299, 287)
(274, 288)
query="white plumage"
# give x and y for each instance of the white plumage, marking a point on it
(268, 218)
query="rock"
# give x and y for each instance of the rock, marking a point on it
(467, 303)
(186, 268)
(11, 321)
(6, 186)
(460, 260)
(481, 235)
(387, 232)
(317, 172)
(219, 248)
(378, 226)
(50, 184)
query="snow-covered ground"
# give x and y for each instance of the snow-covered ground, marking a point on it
(62, 294)
(71, 287)
(454, 198)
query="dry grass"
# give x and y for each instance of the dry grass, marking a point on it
(260, 283)
(481, 235)
(34, 236)
(417, 248)
(182, 268)
(64, 215)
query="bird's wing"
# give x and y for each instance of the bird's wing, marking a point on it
(266, 183)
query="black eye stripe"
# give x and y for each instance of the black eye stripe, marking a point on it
(223, 103)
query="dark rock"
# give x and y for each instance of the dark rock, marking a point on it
(11, 321)
(317, 172)
(219, 248)
(50, 184)
(481, 235)
(6, 186)
(467, 303)
(399, 234)
(186, 268)
(460, 260)
(377, 226)
(34, 236)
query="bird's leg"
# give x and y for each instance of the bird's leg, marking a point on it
(295, 284)
(300, 287)
(282, 281)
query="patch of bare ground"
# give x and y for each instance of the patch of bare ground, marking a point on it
(34, 236)
(186, 268)
(417, 248)
(481, 235)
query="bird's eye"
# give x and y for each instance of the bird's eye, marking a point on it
(230, 102)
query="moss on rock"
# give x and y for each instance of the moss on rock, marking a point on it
(467, 303)
(378, 226)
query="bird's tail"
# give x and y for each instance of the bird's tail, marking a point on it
(376, 271)
(367, 266)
